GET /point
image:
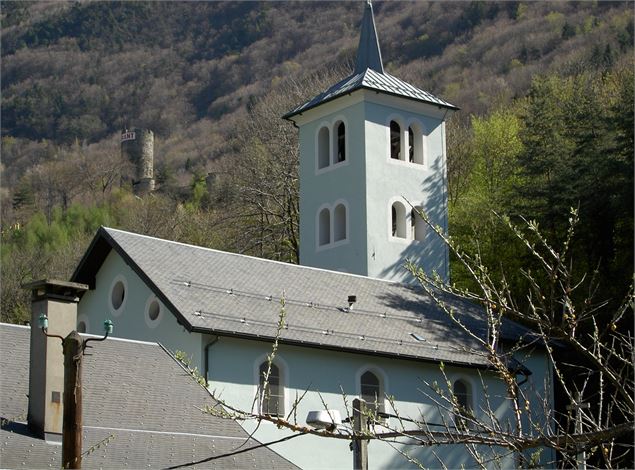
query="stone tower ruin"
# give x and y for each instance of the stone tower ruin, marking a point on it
(137, 145)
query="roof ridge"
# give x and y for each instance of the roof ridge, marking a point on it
(265, 260)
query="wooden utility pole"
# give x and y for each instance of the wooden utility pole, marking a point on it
(360, 428)
(73, 346)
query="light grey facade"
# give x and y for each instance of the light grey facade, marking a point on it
(372, 153)
(369, 182)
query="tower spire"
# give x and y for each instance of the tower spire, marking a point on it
(368, 53)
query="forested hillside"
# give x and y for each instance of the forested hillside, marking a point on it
(546, 121)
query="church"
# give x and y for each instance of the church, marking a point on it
(349, 320)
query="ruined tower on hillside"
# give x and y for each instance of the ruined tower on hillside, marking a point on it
(137, 145)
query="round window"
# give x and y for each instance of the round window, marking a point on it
(153, 310)
(118, 295)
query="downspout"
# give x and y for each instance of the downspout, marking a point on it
(206, 353)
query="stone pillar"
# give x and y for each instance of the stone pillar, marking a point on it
(137, 145)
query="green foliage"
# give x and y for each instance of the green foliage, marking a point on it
(65, 225)
(569, 144)
(494, 148)
(579, 153)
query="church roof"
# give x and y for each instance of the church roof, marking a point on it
(369, 74)
(135, 392)
(235, 295)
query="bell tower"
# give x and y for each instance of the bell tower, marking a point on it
(372, 147)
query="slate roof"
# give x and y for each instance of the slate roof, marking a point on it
(369, 74)
(134, 391)
(236, 295)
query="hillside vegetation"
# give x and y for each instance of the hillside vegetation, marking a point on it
(546, 122)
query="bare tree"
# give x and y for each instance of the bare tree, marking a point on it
(262, 176)
(561, 315)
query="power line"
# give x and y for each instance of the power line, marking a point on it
(236, 452)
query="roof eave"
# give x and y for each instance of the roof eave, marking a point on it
(291, 114)
(95, 256)
(309, 344)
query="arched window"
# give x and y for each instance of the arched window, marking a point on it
(371, 392)
(415, 144)
(398, 219)
(339, 223)
(323, 148)
(463, 395)
(272, 395)
(324, 222)
(395, 140)
(340, 142)
(417, 225)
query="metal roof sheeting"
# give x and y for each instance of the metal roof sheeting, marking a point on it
(371, 80)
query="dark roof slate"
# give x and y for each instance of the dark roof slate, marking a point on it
(235, 295)
(134, 391)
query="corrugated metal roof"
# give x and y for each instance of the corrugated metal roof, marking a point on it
(371, 80)
(229, 294)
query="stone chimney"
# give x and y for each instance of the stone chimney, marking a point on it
(58, 301)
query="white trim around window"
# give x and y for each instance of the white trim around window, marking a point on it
(338, 229)
(117, 295)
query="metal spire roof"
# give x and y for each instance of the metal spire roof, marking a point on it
(369, 74)
(368, 52)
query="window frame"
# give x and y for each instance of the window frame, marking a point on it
(283, 380)
(331, 208)
(397, 220)
(417, 225)
(470, 400)
(320, 157)
(333, 144)
(119, 278)
(146, 312)
(320, 231)
(383, 388)
(419, 142)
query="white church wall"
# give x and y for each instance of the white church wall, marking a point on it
(409, 183)
(369, 181)
(132, 320)
(330, 372)
(327, 187)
